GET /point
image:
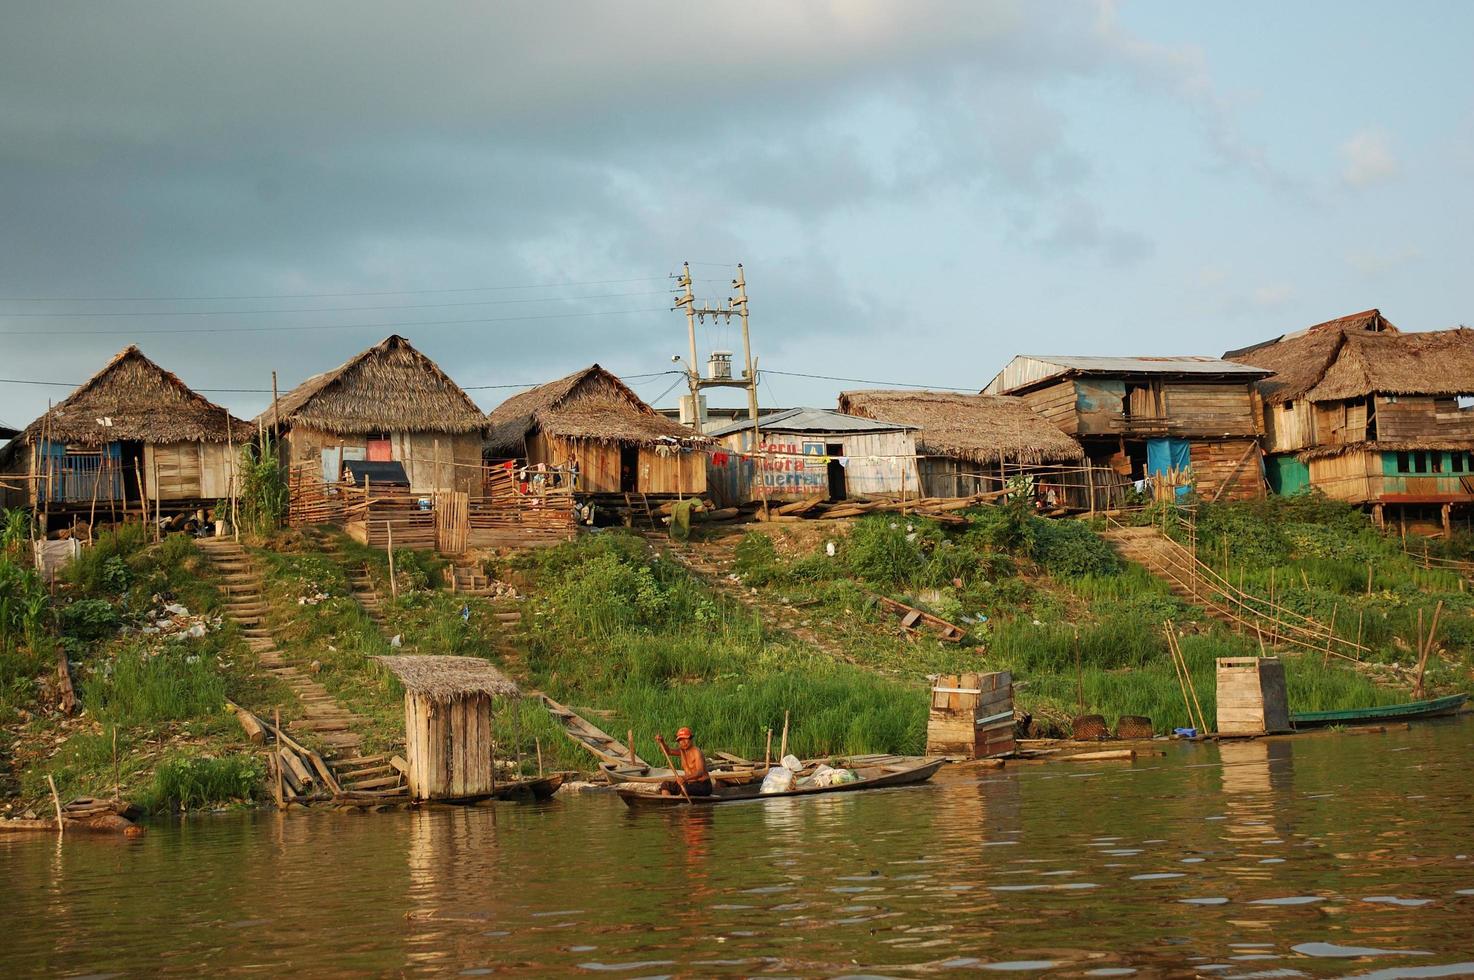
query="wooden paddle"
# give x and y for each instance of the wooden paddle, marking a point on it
(675, 770)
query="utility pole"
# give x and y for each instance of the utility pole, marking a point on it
(740, 304)
(693, 377)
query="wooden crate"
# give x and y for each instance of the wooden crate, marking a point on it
(971, 715)
(1251, 696)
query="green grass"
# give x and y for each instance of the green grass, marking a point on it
(143, 688)
(188, 781)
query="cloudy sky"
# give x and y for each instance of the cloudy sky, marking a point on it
(917, 190)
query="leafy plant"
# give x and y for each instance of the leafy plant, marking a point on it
(89, 619)
(264, 492)
(184, 782)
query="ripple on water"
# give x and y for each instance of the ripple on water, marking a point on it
(1289, 900)
(1007, 965)
(1335, 950)
(1204, 901)
(1158, 876)
(1396, 900)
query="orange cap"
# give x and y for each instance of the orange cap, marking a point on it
(683, 733)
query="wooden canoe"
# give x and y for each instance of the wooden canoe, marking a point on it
(536, 788)
(1432, 708)
(874, 777)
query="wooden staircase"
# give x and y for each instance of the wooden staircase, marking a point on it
(323, 716)
(1197, 583)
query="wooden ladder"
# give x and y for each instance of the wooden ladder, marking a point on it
(639, 508)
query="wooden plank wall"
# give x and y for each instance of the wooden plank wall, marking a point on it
(1220, 461)
(1057, 403)
(1354, 477)
(188, 470)
(448, 746)
(1417, 417)
(1099, 405)
(416, 450)
(1209, 410)
(598, 466)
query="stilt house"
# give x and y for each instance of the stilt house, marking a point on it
(808, 451)
(1365, 413)
(388, 403)
(970, 444)
(593, 421)
(130, 434)
(1176, 421)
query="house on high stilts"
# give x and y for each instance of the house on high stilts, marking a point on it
(132, 439)
(1176, 423)
(1363, 412)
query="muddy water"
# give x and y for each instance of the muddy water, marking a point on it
(1319, 857)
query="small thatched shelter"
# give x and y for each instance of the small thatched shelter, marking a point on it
(592, 419)
(967, 443)
(132, 421)
(389, 402)
(448, 738)
(1367, 413)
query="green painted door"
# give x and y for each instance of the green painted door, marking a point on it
(1287, 475)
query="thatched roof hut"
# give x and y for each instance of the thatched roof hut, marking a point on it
(448, 738)
(977, 428)
(132, 399)
(593, 421)
(442, 678)
(391, 387)
(1359, 355)
(591, 404)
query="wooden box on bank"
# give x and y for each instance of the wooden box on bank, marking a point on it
(1251, 696)
(971, 715)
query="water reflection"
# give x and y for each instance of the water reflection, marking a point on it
(1251, 858)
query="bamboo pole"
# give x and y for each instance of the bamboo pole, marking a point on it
(1177, 670)
(783, 745)
(538, 744)
(56, 802)
(389, 546)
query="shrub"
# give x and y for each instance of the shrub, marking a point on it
(880, 550)
(1070, 548)
(89, 619)
(183, 782)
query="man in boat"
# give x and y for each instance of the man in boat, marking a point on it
(692, 773)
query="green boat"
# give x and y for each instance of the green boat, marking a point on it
(1390, 712)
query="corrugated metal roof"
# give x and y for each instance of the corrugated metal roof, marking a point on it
(811, 420)
(1151, 365)
(1030, 369)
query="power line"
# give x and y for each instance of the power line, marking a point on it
(267, 391)
(866, 381)
(392, 292)
(322, 326)
(79, 314)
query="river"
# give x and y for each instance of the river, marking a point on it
(1318, 856)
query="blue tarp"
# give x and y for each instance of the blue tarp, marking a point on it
(1168, 454)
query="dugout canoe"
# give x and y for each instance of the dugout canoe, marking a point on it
(1410, 711)
(536, 788)
(871, 777)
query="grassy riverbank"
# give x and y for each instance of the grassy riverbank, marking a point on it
(151, 678)
(636, 641)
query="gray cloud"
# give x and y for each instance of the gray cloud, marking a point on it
(180, 149)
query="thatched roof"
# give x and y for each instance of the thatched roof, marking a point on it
(132, 399)
(588, 404)
(1359, 355)
(978, 428)
(1389, 446)
(391, 387)
(450, 678)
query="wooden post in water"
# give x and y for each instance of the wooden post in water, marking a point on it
(768, 750)
(276, 718)
(783, 745)
(630, 735)
(538, 744)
